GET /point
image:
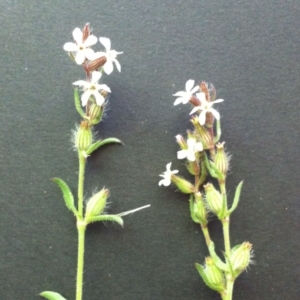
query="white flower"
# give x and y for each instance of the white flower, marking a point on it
(185, 96)
(92, 88)
(167, 175)
(81, 48)
(189, 153)
(110, 56)
(206, 107)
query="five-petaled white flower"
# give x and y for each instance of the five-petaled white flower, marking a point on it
(189, 153)
(206, 107)
(80, 48)
(166, 181)
(110, 56)
(92, 88)
(185, 96)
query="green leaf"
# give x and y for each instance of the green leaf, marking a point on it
(100, 143)
(67, 194)
(217, 260)
(52, 295)
(78, 103)
(101, 218)
(236, 198)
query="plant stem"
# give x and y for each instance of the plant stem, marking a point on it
(81, 226)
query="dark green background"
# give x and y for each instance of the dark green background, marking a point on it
(248, 49)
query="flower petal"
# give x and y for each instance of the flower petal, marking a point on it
(202, 117)
(89, 53)
(215, 113)
(99, 98)
(80, 58)
(83, 83)
(96, 76)
(85, 97)
(218, 101)
(196, 108)
(189, 85)
(117, 65)
(70, 47)
(103, 87)
(77, 36)
(90, 41)
(182, 154)
(105, 42)
(108, 67)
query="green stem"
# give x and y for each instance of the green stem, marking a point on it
(81, 226)
(80, 260)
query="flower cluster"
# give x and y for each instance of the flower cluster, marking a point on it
(94, 64)
(205, 156)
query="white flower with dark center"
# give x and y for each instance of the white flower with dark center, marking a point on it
(193, 148)
(81, 49)
(166, 181)
(110, 56)
(92, 88)
(205, 107)
(185, 96)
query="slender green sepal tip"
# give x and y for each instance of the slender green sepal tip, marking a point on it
(103, 218)
(52, 296)
(98, 144)
(78, 104)
(218, 131)
(67, 194)
(236, 198)
(217, 260)
(201, 271)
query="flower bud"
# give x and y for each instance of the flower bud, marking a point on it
(221, 159)
(200, 212)
(86, 31)
(181, 141)
(84, 137)
(240, 257)
(95, 113)
(204, 89)
(214, 199)
(214, 275)
(96, 204)
(204, 135)
(182, 184)
(96, 63)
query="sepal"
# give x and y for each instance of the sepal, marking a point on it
(67, 194)
(100, 143)
(212, 169)
(52, 295)
(103, 218)
(197, 209)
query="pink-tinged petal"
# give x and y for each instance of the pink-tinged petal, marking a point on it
(96, 76)
(218, 101)
(108, 67)
(215, 113)
(105, 42)
(103, 87)
(189, 85)
(99, 98)
(181, 154)
(80, 58)
(196, 108)
(70, 47)
(90, 41)
(89, 53)
(77, 36)
(117, 65)
(81, 83)
(85, 97)
(202, 117)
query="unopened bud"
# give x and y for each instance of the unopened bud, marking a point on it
(96, 63)
(181, 141)
(240, 257)
(86, 31)
(204, 89)
(214, 275)
(84, 136)
(95, 113)
(182, 184)
(221, 159)
(96, 204)
(200, 212)
(214, 199)
(204, 135)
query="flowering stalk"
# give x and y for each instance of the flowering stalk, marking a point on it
(90, 106)
(206, 156)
